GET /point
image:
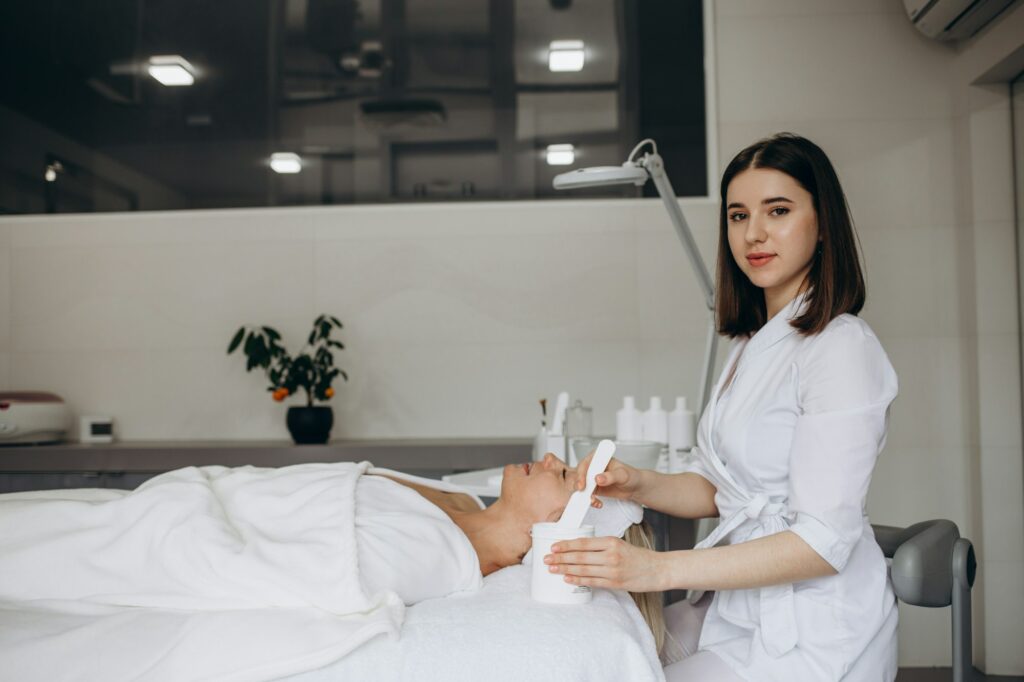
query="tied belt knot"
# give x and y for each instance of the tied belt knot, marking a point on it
(771, 608)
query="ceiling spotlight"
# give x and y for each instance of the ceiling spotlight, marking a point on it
(565, 55)
(52, 169)
(561, 154)
(285, 162)
(172, 70)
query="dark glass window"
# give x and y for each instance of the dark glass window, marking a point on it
(369, 100)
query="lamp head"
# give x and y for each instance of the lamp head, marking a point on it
(628, 173)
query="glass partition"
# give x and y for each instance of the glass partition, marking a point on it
(1017, 117)
(174, 104)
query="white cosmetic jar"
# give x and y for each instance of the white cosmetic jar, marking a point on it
(551, 587)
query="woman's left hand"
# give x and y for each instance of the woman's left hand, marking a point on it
(610, 563)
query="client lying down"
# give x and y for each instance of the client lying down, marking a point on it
(343, 538)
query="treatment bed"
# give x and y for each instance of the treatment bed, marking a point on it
(237, 574)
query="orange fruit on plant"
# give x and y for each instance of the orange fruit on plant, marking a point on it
(329, 392)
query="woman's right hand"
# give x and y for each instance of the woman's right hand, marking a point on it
(618, 480)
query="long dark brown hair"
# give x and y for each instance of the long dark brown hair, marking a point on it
(835, 280)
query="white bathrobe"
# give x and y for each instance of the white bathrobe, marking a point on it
(790, 444)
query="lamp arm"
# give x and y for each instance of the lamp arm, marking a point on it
(707, 371)
(653, 164)
(655, 167)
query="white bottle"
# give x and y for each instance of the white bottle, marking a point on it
(554, 441)
(682, 435)
(540, 444)
(655, 423)
(628, 421)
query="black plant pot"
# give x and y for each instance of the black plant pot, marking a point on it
(310, 425)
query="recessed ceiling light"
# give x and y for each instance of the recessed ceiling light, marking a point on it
(561, 154)
(52, 170)
(566, 55)
(171, 69)
(285, 162)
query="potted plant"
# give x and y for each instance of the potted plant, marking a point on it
(311, 369)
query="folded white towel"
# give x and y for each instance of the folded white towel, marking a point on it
(407, 544)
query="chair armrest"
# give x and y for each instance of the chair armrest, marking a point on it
(888, 538)
(922, 560)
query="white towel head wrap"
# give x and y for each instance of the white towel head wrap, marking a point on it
(614, 517)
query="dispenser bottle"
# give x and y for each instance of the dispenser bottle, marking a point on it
(656, 429)
(655, 423)
(682, 435)
(628, 421)
(556, 432)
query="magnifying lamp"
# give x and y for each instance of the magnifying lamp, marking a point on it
(637, 171)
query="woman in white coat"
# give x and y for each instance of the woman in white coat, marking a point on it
(785, 450)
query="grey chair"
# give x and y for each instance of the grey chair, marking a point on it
(933, 566)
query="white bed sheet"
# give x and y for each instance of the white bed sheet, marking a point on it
(500, 634)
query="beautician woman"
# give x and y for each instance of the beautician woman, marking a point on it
(785, 451)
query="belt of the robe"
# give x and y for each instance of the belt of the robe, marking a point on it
(777, 613)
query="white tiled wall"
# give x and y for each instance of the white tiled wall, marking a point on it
(997, 460)
(459, 317)
(812, 66)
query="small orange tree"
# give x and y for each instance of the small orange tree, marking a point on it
(312, 369)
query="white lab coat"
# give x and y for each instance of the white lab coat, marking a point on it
(790, 445)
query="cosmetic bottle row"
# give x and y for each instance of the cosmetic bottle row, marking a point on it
(651, 438)
(676, 430)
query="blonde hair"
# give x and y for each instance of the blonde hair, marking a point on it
(651, 604)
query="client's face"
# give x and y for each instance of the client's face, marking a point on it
(540, 489)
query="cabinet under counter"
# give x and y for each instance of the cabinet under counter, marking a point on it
(126, 464)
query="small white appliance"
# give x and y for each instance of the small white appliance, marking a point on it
(96, 429)
(32, 417)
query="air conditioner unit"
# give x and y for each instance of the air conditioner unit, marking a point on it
(953, 19)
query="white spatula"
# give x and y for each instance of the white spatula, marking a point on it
(579, 503)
